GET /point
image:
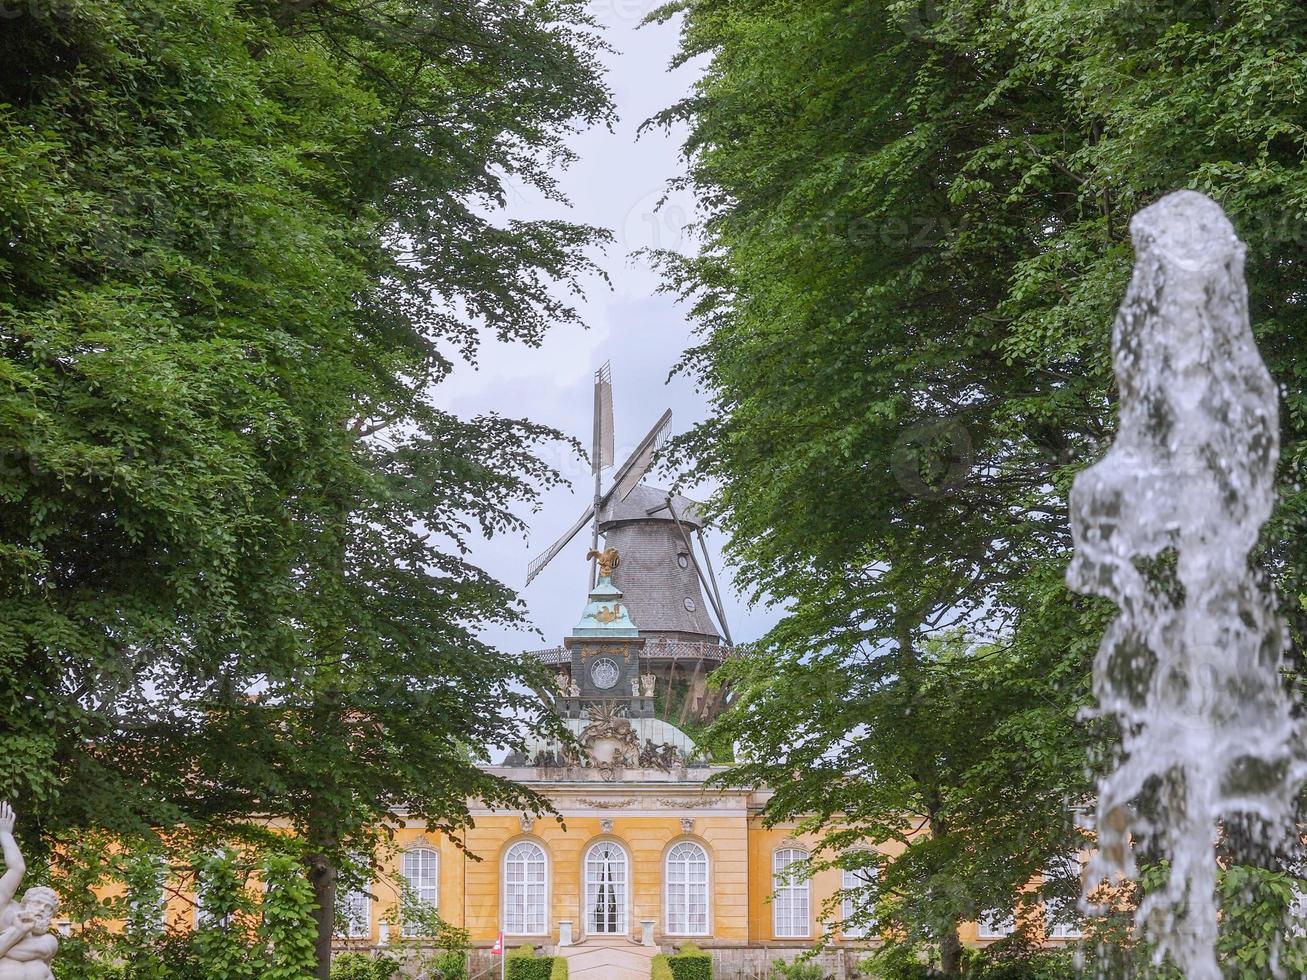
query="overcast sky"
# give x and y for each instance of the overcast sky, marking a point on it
(615, 184)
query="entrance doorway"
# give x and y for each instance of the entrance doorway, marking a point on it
(605, 889)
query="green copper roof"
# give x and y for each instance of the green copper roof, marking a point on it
(605, 614)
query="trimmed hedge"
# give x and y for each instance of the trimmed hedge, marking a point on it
(523, 964)
(691, 963)
(559, 969)
(661, 969)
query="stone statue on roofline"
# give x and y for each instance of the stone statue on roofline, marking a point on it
(27, 946)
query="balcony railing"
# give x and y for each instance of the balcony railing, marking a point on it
(658, 649)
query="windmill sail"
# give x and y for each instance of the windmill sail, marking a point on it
(538, 564)
(637, 465)
(602, 456)
(625, 479)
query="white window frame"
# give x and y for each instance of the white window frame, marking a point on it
(162, 871)
(590, 895)
(854, 880)
(425, 886)
(1060, 929)
(356, 900)
(204, 919)
(533, 899)
(991, 926)
(791, 895)
(679, 910)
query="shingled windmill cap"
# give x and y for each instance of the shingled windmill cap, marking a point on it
(667, 587)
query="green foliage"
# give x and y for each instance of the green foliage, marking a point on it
(420, 923)
(1259, 926)
(915, 224)
(559, 970)
(523, 964)
(799, 969)
(245, 932)
(660, 968)
(691, 963)
(900, 962)
(435, 946)
(1024, 965)
(449, 965)
(360, 966)
(241, 244)
(287, 906)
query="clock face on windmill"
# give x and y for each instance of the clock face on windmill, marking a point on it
(604, 673)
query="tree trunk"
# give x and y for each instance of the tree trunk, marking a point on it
(950, 954)
(323, 877)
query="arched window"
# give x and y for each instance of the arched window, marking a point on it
(790, 909)
(687, 890)
(354, 907)
(605, 889)
(856, 885)
(421, 872)
(525, 890)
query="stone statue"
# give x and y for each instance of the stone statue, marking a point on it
(27, 946)
(635, 687)
(647, 682)
(608, 560)
(573, 688)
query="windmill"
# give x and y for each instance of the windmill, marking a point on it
(654, 531)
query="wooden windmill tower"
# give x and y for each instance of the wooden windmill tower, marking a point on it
(664, 570)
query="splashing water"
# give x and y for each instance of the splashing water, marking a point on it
(1163, 525)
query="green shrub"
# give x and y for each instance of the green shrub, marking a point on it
(661, 968)
(450, 965)
(359, 966)
(897, 961)
(559, 970)
(799, 970)
(691, 963)
(523, 964)
(1036, 965)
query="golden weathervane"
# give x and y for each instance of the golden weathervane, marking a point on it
(608, 560)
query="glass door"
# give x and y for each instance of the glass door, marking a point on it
(605, 890)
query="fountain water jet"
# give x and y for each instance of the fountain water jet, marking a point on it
(1163, 525)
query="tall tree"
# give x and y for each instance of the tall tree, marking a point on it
(915, 237)
(245, 241)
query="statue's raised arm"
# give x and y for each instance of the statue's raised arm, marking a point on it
(14, 866)
(27, 947)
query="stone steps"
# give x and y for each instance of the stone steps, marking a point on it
(608, 959)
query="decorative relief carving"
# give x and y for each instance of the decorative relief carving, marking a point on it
(610, 741)
(607, 804)
(687, 825)
(606, 825)
(684, 804)
(528, 821)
